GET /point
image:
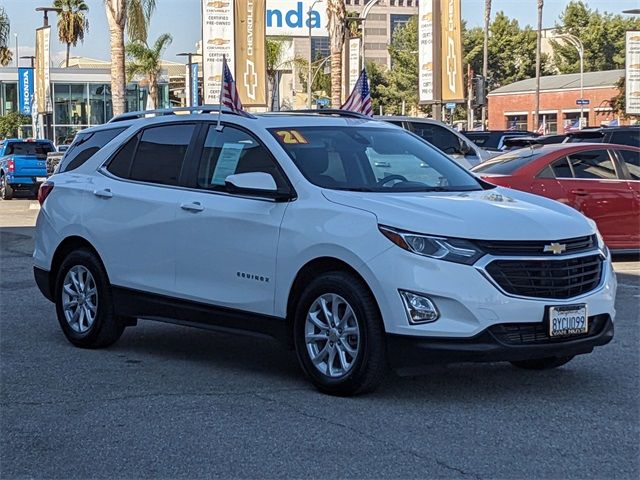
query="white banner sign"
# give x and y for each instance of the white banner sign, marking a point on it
(425, 51)
(291, 18)
(217, 40)
(354, 62)
(632, 86)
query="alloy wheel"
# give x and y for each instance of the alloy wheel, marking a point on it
(332, 335)
(79, 298)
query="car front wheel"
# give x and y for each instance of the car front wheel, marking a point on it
(339, 335)
(84, 304)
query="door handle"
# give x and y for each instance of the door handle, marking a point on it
(192, 207)
(580, 192)
(382, 164)
(106, 193)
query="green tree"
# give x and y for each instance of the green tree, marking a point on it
(602, 34)
(73, 23)
(5, 29)
(10, 123)
(276, 60)
(134, 16)
(145, 60)
(401, 83)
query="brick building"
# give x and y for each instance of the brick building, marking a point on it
(514, 105)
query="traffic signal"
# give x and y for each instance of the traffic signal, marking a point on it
(480, 94)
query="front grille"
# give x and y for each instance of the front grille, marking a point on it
(528, 248)
(547, 278)
(538, 333)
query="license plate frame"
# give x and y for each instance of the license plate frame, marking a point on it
(575, 317)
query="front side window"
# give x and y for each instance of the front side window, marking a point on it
(231, 152)
(85, 146)
(437, 136)
(593, 164)
(371, 159)
(160, 154)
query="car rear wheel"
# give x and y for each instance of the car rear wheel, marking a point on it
(339, 336)
(542, 363)
(6, 192)
(84, 304)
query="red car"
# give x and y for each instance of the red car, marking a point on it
(600, 180)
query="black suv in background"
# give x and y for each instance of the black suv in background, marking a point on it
(629, 135)
(494, 139)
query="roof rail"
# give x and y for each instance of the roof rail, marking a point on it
(169, 111)
(332, 111)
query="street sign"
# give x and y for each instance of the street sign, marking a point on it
(582, 101)
(451, 105)
(322, 102)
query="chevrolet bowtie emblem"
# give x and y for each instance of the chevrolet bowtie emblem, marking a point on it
(555, 248)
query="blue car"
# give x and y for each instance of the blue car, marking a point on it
(23, 165)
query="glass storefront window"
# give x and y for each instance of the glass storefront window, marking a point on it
(9, 96)
(97, 93)
(79, 104)
(551, 121)
(132, 100)
(62, 103)
(517, 122)
(64, 135)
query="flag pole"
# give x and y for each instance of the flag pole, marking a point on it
(219, 125)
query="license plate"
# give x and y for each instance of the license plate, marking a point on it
(41, 179)
(568, 320)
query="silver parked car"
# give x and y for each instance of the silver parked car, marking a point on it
(442, 136)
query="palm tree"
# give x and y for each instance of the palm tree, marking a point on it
(5, 28)
(72, 22)
(336, 14)
(134, 16)
(145, 60)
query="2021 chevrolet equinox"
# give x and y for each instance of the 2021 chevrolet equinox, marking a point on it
(350, 239)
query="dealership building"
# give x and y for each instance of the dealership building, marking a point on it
(513, 106)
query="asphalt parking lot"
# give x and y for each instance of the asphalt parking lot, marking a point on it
(172, 402)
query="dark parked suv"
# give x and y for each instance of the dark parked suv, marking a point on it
(620, 135)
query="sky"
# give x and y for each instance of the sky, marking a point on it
(181, 18)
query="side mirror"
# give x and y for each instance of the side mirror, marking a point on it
(257, 184)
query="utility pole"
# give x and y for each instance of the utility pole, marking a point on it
(193, 94)
(309, 75)
(485, 54)
(538, 48)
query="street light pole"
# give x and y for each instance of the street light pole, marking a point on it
(31, 58)
(46, 116)
(17, 57)
(363, 19)
(579, 46)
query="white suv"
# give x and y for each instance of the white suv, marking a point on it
(351, 239)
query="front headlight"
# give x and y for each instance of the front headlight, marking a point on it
(601, 245)
(451, 249)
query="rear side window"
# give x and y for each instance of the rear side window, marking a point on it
(85, 146)
(437, 136)
(593, 164)
(626, 137)
(561, 168)
(155, 156)
(508, 163)
(632, 161)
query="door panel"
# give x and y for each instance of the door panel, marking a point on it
(227, 245)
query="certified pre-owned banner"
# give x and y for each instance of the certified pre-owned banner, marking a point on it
(451, 51)
(250, 65)
(425, 51)
(217, 40)
(43, 83)
(633, 74)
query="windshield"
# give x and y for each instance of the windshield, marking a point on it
(29, 148)
(372, 160)
(508, 163)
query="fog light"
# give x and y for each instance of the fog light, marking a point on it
(420, 308)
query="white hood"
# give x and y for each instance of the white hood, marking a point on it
(496, 214)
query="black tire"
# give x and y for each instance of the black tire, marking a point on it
(542, 363)
(107, 327)
(370, 365)
(6, 192)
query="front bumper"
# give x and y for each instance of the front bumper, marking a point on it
(501, 342)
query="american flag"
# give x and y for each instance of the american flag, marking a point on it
(229, 93)
(360, 99)
(570, 128)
